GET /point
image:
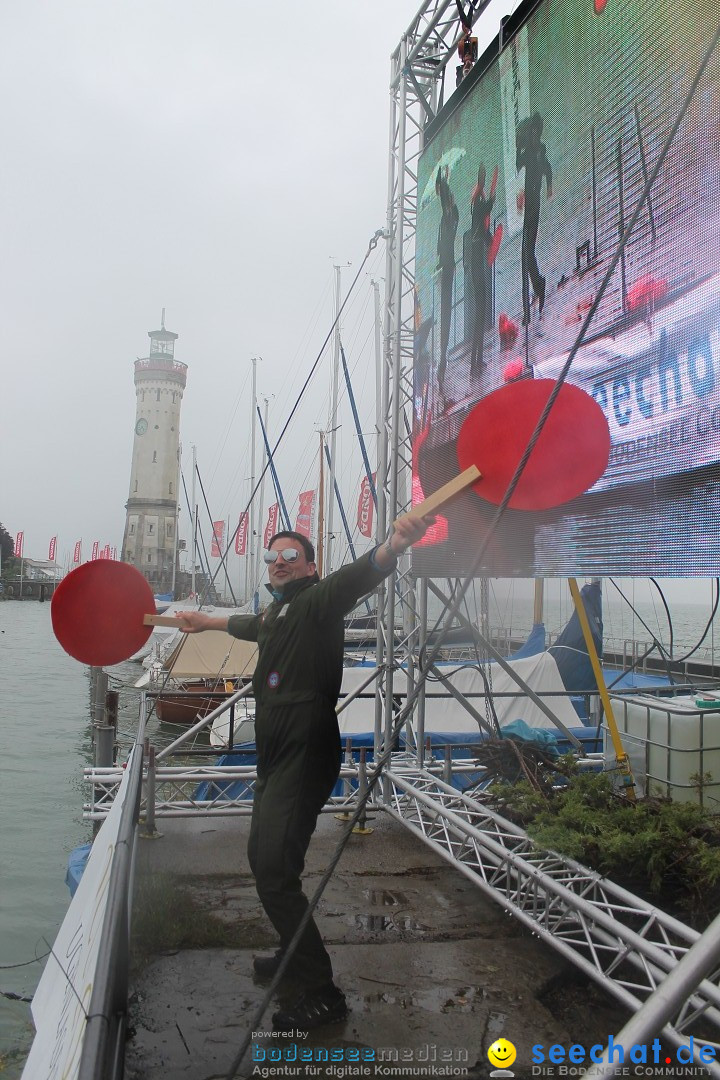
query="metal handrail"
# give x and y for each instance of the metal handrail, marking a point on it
(206, 721)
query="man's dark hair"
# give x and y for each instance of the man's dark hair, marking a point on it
(302, 540)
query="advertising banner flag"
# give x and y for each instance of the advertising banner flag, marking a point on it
(114, 553)
(96, 545)
(78, 551)
(106, 552)
(51, 549)
(218, 539)
(19, 543)
(365, 508)
(272, 524)
(306, 506)
(242, 534)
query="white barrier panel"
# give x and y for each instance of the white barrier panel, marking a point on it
(62, 998)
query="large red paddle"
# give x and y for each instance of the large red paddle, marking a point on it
(97, 612)
(570, 455)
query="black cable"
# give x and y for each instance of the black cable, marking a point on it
(26, 963)
(667, 612)
(682, 659)
(656, 641)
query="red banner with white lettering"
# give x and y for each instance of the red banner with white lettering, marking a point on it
(218, 538)
(365, 508)
(272, 524)
(242, 534)
(96, 545)
(306, 505)
(51, 549)
(19, 543)
(78, 551)
(105, 552)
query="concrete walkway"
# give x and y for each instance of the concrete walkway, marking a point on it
(434, 973)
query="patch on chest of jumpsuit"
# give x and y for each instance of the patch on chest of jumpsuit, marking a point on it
(273, 679)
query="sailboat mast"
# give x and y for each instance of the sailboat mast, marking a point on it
(261, 495)
(538, 614)
(333, 424)
(249, 557)
(321, 508)
(193, 511)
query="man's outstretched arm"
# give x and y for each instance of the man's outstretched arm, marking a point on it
(194, 622)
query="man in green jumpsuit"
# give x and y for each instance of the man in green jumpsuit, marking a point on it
(296, 686)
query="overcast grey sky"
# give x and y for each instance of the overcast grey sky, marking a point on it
(214, 159)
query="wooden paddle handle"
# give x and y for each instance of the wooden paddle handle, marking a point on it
(448, 491)
(160, 620)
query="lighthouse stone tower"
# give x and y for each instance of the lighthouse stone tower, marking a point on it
(150, 541)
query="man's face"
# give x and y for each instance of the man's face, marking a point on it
(280, 572)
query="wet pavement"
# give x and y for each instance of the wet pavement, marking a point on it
(434, 972)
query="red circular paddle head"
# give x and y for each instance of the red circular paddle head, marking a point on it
(570, 455)
(97, 612)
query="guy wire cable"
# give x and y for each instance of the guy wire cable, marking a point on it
(657, 644)
(682, 659)
(371, 247)
(454, 608)
(656, 583)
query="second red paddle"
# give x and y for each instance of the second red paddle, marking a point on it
(570, 455)
(97, 612)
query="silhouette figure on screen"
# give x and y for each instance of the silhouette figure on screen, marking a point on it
(447, 232)
(480, 240)
(531, 154)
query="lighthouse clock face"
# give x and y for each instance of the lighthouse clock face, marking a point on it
(141, 426)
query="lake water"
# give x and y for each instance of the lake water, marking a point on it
(45, 743)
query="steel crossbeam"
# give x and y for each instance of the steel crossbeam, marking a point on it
(621, 941)
(176, 791)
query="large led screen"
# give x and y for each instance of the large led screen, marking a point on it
(524, 189)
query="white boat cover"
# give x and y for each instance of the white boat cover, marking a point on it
(212, 654)
(443, 713)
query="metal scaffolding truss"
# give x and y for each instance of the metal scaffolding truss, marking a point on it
(622, 942)
(215, 791)
(417, 70)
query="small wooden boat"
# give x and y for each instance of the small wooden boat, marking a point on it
(187, 702)
(201, 673)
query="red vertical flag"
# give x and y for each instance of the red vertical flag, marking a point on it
(95, 547)
(19, 543)
(51, 549)
(106, 552)
(306, 505)
(78, 551)
(218, 538)
(365, 507)
(272, 523)
(241, 535)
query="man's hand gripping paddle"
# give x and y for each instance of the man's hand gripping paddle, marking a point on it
(570, 454)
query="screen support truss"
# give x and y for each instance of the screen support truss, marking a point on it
(622, 942)
(608, 933)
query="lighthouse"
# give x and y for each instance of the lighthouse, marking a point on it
(150, 540)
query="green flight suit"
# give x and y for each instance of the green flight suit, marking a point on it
(296, 685)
